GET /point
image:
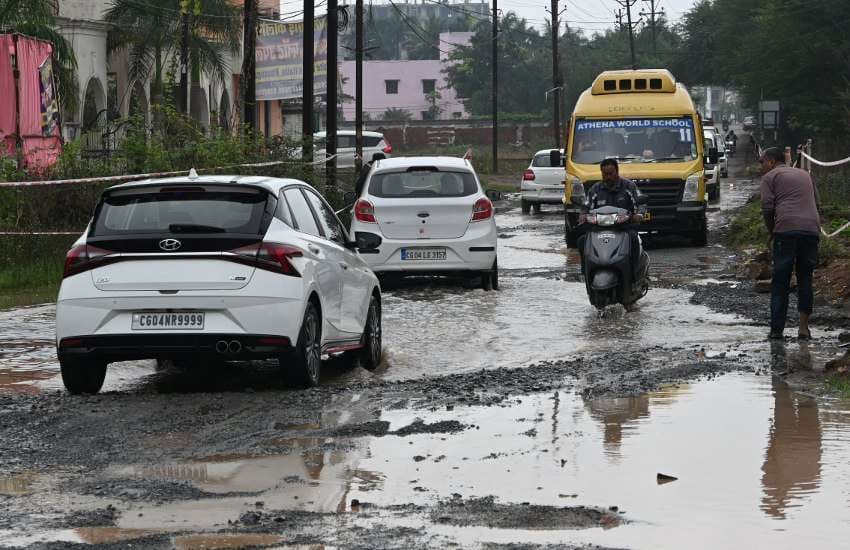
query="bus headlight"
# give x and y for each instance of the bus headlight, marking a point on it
(576, 187)
(691, 192)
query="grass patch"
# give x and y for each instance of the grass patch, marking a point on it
(840, 385)
(747, 228)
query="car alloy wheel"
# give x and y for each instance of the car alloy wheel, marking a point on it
(372, 337)
(306, 364)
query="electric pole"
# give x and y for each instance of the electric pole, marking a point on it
(619, 16)
(182, 103)
(307, 85)
(249, 74)
(495, 85)
(628, 5)
(652, 13)
(330, 141)
(358, 85)
(556, 81)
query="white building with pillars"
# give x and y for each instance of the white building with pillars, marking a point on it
(105, 90)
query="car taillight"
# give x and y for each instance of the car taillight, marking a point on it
(483, 210)
(83, 257)
(364, 211)
(388, 150)
(528, 175)
(270, 256)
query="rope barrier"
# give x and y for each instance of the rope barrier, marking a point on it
(823, 163)
(836, 232)
(134, 177)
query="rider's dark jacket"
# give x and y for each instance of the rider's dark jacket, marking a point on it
(623, 195)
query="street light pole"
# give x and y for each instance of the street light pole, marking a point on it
(495, 84)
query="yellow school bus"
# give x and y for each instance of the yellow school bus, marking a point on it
(648, 122)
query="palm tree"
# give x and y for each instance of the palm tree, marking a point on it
(37, 18)
(151, 32)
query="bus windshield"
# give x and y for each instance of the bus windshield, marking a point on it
(634, 140)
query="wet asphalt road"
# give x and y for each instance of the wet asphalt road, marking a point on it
(498, 420)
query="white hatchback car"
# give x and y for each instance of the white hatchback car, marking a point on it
(432, 217)
(346, 146)
(542, 183)
(215, 268)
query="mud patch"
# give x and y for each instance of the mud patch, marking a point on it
(420, 427)
(102, 517)
(486, 512)
(143, 490)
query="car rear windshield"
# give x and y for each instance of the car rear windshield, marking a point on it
(542, 161)
(423, 183)
(175, 210)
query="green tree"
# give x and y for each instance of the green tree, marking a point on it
(37, 18)
(396, 114)
(150, 31)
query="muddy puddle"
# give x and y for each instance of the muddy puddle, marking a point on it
(744, 461)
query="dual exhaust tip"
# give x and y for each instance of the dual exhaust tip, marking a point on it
(224, 347)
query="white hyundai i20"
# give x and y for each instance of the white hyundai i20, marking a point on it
(432, 218)
(215, 268)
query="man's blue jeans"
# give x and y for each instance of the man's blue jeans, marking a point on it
(798, 253)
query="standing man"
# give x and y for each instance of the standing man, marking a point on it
(789, 203)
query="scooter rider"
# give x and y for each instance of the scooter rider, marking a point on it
(621, 193)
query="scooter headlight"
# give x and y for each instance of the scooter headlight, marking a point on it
(691, 192)
(607, 219)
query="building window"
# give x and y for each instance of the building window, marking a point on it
(428, 86)
(392, 86)
(457, 114)
(427, 115)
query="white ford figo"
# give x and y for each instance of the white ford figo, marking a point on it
(218, 268)
(431, 216)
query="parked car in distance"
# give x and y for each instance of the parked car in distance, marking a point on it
(346, 146)
(215, 268)
(542, 183)
(722, 160)
(712, 171)
(431, 216)
(749, 123)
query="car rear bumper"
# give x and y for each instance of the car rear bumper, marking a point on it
(127, 347)
(475, 251)
(547, 196)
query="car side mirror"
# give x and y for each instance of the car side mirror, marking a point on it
(367, 241)
(643, 199)
(712, 156)
(350, 197)
(555, 158)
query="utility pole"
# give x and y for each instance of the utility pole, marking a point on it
(358, 85)
(182, 101)
(556, 81)
(495, 71)
(249, 65)
(330, 142)
(652, 13)
(627, 4)
(619, 16)
(307, 85)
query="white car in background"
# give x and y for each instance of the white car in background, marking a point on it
(431, 216)
(722, 159)
(346, 146)
(712, 171)
(542, 183)
(215, 268)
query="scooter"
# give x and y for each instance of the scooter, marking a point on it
(730, 147)
(609, 273)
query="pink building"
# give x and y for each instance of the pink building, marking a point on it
(407, 85)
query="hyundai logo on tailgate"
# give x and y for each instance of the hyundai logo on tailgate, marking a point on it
(170, 245)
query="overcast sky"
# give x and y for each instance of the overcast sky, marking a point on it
(590, 15)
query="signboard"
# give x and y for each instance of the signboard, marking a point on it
(49, 104)
(769, 114)
(279, 59)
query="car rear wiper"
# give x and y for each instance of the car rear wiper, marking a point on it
(193, 228)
